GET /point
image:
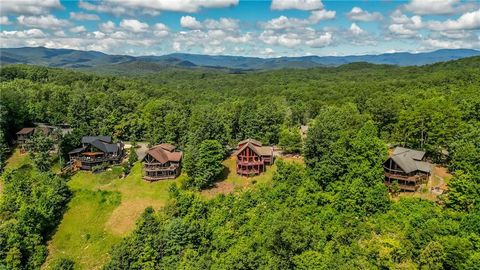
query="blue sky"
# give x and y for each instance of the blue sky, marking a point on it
(268, 28)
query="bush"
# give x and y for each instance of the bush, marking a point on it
(63, 264)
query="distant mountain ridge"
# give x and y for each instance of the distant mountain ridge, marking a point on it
(68, 58)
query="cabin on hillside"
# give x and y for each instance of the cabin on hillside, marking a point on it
(25, 134)
(408, 168)
(53, 131)
(162, 162)
(95, 151)
(253, 157)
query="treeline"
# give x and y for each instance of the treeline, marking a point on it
(334, 213)
(419, 107)
(31, 206)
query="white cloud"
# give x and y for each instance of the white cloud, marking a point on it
(321, 15)
(289, 40)
(222, 23)
(78, 29)
(358, 14)
(98, 34)
(399, 29)
(432, 7)
(469, 20)
(80, 16)
(34, 7)
(103, 7)
(107, 27)
(59, 33)
(43, 21)
(153, 7)
(161, 30)
(4, 20)
(296, 4)
(284, 22)
(176, 46)
(245, 38)
(405, 26)
(323, 40)
(456, 34)
(447, 44)
(134, 25)
(356, 30)
(190, 22)
(268, 52)
(213, 50)
(31, 33)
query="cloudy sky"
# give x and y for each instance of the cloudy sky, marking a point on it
(237, 27)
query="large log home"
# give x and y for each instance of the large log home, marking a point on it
(96, 150)
(162, 162)
(407, 167)
(252, 157)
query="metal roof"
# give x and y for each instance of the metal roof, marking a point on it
(410, 160)
(90, 139)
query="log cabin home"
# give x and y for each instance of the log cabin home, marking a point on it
(95, 151)
(252, 157)
(162, 162)
(408, 168)
(26, 133)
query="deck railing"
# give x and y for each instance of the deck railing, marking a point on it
(249, 163)
(413, 178)
(405, 187)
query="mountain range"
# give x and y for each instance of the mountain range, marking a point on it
(67, 58)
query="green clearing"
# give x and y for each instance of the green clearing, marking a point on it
(105, 207)
(16, 160)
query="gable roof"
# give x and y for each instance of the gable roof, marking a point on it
(252, 141)
(162, 154)
(26, 130)
(106, 147)
(259, 150)
(90, 139)
(410, 160)
(77, 150)
(165, 146)
(414, 154)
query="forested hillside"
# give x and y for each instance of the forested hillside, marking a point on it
(334, 212)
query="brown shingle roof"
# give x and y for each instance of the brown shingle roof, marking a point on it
(259, 150)
(24, 131)
(165, 146)
(162, 153)
(252, 141)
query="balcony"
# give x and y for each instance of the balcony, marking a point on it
(413, 178)
(250, 163)
(404, 187)
(96, 159)
(148, 168)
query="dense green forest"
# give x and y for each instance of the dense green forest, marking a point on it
(332, 213)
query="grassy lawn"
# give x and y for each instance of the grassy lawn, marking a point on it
(231, 181)
(104, 208)
(16, 160)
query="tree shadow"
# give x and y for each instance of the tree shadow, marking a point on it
(224, 175)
